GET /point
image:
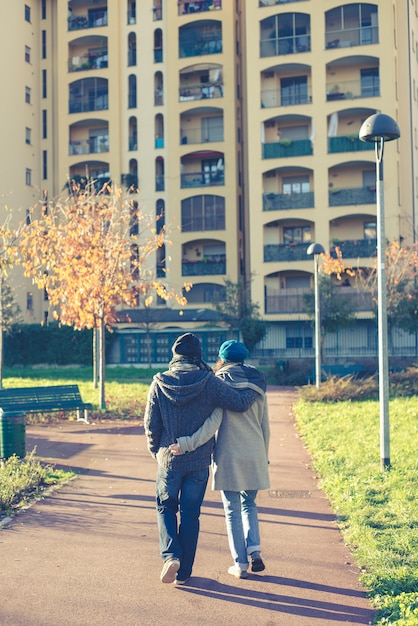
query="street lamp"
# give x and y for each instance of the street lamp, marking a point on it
(377, 129)
(316, 249)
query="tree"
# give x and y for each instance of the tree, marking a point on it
(336, 310)
(91, 253)
(401, 286)
(9, 310)
(240, 314)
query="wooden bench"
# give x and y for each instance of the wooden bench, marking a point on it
(44, 400)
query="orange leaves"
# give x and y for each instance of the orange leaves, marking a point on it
(335, 266)
(90, 257)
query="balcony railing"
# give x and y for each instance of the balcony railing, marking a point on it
(199, 47)
(95, 145)
(286, 252)
(348, 144)
(294, 44)
(270, 3)
(89, 61)
(354, 248)
(282, 150)
(278, 98)
(350, 89)
(200, 135)
(288, 201)
(83, 105)
(349, 37)
(201, 92)
(198, 6)
(92, 20)
(202, 179)
(207, 267)
(354, 196)
(291, 300)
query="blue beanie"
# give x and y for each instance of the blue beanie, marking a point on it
(233, 352)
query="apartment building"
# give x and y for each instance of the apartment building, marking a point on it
(238, 120)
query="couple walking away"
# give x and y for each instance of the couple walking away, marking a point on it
(186, 406)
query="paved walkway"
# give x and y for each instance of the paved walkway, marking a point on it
(87, 555)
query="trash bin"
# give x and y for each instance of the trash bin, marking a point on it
(12, 434)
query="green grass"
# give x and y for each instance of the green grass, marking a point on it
(376, 510)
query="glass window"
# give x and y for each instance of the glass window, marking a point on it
(203, 213)
(296, 234)
(28, 95)
(27, 54)
(27, 13)
(370, 230)
(296, 184)
(28, 133)
(28, 176)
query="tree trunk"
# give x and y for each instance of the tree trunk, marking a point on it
(102, 364)
(1, 333)
(95, 358)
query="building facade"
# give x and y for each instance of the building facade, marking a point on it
(238, 121)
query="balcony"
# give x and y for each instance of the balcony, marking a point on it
(208, 266)
(278, 98)
(201, 92)
(198, 6)
(202, 179)
(288, 201)
(284, 149)
(354, 248)
(278, 46)
(90, 61)
(203, 133)
(291, 300)
(348, 143)
(198, 39)
(351, 89)
(350, 37)
(94, 145)
(286, 252)
(92, 19)
(270, 3)
(350, 197)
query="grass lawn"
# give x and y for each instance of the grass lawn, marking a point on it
(377, 510)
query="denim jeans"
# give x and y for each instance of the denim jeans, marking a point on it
(241, 518)
(180, 492)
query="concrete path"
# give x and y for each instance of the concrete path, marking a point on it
(87, 555)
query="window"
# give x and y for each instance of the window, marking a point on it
(296, 234)
(27, 13)
(29, 301)
(28, 176)
(43, 45)
(27, 54)
(44, 164)
(295, 184)
(28, 94)
(294, 90)
(203, 213)
(370, 230)
(299, 337)
(44, 84)
(28, 133)
(44, 123)
(370, 83)
(43, 10)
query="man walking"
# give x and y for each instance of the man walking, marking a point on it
(179, 401)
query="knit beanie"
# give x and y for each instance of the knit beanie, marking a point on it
(187, 345)
(233, 352)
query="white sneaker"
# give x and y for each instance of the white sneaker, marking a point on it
(169, 571)
(235, 570)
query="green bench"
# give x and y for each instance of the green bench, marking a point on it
(44, 400)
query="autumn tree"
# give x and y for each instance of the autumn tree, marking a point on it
(401, 286)
(91, 252)
(241, 314)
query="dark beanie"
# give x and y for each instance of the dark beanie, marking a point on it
(187, 345)
(233, 351)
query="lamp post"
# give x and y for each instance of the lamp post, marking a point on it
(316, 249)
(377, 129)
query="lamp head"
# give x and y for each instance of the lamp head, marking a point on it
(379, 126)
(315, 248)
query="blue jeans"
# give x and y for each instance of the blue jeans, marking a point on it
(241, 518)
(180, 492)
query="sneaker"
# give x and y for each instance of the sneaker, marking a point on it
(237, 572)
(181, 581)
(169, 571)
(257, 564)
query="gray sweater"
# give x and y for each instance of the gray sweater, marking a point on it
(179, 401)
